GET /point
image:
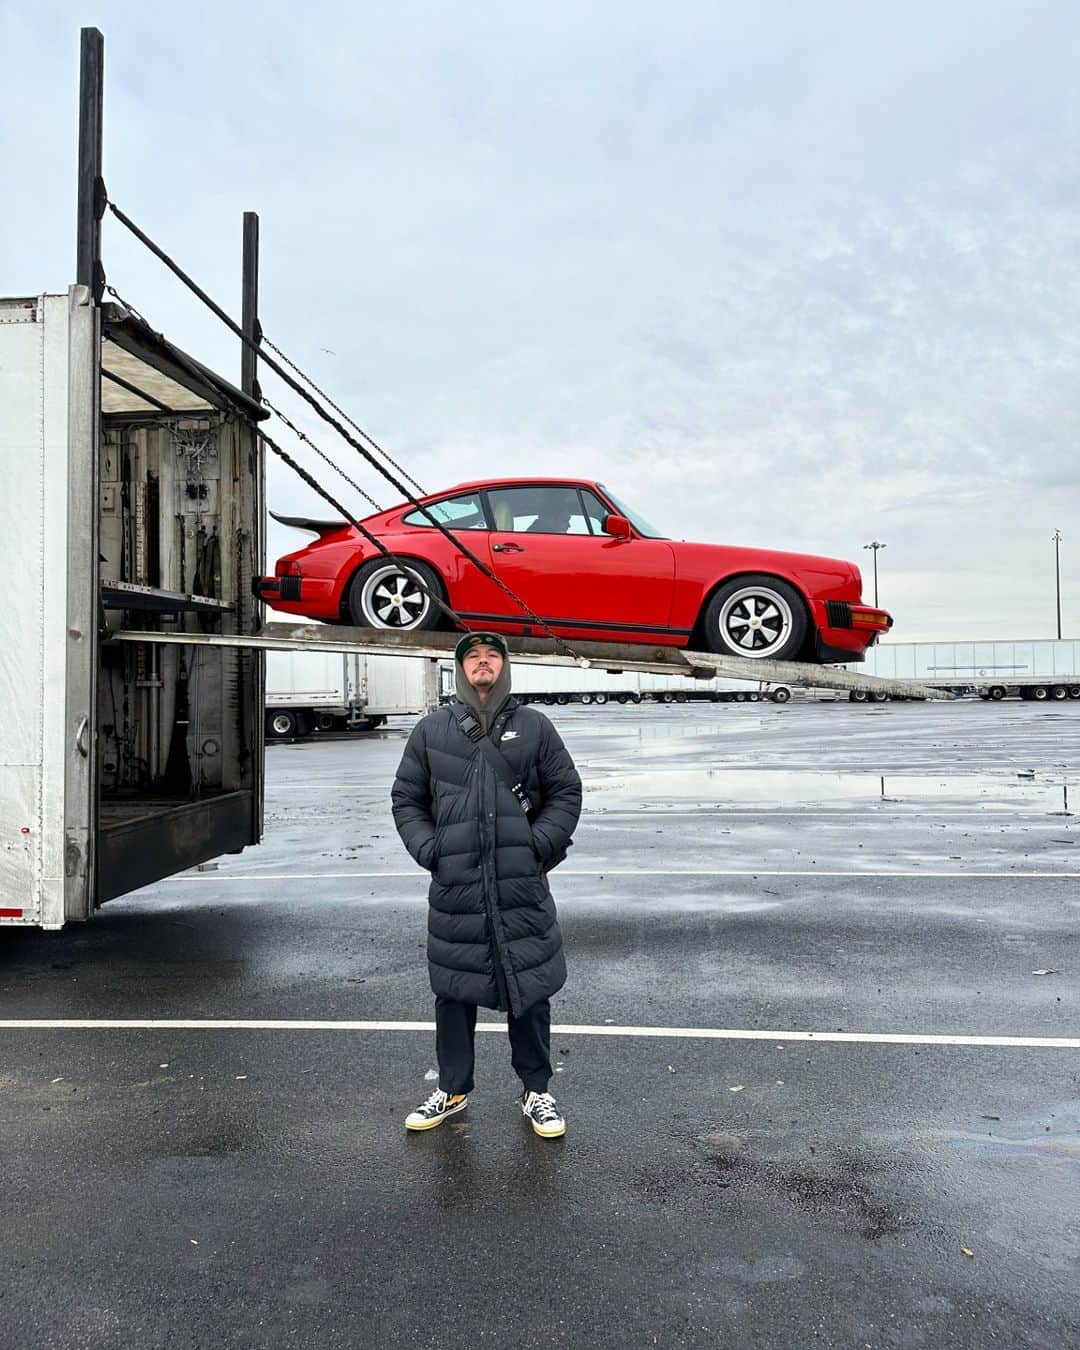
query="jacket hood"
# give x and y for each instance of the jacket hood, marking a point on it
(490, 708)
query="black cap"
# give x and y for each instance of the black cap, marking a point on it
(479, 640)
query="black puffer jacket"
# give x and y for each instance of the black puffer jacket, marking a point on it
(493, 939)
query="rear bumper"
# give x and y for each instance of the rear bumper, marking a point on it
(312, 597)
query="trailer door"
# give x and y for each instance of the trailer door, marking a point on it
(48, 384)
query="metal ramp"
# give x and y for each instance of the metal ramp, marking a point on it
(608, 656)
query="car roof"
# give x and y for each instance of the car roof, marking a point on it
(531, 481)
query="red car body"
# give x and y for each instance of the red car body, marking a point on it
(633, 588)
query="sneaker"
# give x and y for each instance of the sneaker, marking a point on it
(543, 1115)
(435, 1110)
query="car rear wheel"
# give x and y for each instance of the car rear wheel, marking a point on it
(759, 617)
(384, 594)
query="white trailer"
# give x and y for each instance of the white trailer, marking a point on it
(134, 486)
(308, 693)
(594, 686)
(1042, 670)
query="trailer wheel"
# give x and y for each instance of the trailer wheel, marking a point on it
(280, 724)
(753, 698)
(600, 698)
(1058, 693)
(1040, 693)
(997, 692)
(325, 721)
(758, 617)
(562, 699)
(781, 695)
(1074, 690)
(384, 594)
(586, 698)
(879, 696)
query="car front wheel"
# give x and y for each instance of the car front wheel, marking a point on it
(759, 617)
(384, 594)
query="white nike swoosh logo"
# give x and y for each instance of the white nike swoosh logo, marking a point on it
(510, 736)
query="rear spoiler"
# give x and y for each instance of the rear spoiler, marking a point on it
(319, 527)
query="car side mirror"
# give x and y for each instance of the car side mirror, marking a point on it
(617, 526)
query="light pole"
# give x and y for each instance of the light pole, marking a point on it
(875, 546)
(1057, 576)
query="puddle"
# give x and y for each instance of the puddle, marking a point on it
(728, 787)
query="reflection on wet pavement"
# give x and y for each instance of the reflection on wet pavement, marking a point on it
(787, 789)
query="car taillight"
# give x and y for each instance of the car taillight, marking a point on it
(287, 568)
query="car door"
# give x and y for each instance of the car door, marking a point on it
(548, 546)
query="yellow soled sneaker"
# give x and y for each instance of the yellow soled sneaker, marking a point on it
(435, 1110)
(543, 1115)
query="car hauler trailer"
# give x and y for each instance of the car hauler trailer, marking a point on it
(131, 650)
(313, 692)
(1041, 670)
(134, 487)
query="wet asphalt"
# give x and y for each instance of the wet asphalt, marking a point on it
(882, 868)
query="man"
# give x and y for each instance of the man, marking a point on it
(487, 799)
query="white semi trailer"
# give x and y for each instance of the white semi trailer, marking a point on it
(1042, 670)
(312, 693)
(596, 687)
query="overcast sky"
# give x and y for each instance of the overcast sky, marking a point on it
(800, 275)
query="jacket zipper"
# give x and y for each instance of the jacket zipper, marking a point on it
(490, 886)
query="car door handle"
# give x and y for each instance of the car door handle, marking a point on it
(507, 548)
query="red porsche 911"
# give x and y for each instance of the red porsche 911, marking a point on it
(586, 564)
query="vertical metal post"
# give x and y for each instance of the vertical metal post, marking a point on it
(1057, 578)
(249, 305)
(255, 680)
(91, 184)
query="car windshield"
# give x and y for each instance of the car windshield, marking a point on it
(638, 521)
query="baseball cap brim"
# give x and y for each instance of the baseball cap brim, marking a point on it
(477, 640)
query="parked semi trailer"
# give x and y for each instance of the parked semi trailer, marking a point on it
(1038, 670)
(312, 693)
(596, 687)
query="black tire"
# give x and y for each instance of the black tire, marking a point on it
(383, 595)
(858, 696)
(1074, 690)
(281, 724)
(878, 696)
(586, 699)
(756, 617)
(781, 695)
(997, 692)
(562, 699)
(325, 721)
(600, 699)
(1040, 693)
(1058, 693)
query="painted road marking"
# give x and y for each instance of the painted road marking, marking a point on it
(623, 872)
(675, 1033)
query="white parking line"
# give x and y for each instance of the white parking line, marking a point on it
(673, 1033)
(417, 874)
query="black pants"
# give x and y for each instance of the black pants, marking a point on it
(530, 1045)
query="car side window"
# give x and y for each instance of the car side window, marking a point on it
(538, 510)
(460, 513)
(595, 510)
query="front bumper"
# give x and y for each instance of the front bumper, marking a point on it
(847, 630)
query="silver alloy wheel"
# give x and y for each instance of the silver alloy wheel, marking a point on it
(755, 621)
(391, 598)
